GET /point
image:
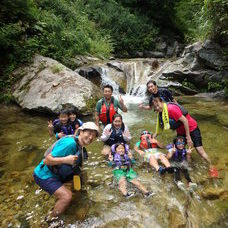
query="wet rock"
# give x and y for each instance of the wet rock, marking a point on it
(212, 193)
(35, 91)
(176, 218)
(153, 54)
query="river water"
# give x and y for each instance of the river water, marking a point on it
(24, 138)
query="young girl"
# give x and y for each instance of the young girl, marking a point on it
(123, 171)
(147, 148)
(180, 157)
(73, 121)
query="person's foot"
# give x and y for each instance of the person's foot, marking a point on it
(192, 186)
(161, 170)
(180, 185)
(129, 195)
(149, 194)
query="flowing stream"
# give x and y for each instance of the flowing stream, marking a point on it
(24, 138)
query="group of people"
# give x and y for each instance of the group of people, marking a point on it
(65, 157)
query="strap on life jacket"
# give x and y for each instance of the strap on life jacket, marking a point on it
(63, 171)
(107, 114)
(177, 157)
(173, 123)
(116, 137)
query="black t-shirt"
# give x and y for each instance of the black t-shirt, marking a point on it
(74, 123)
(165, 95)
(66, 129)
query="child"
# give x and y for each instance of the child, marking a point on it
(60, 127)
(123, 171)
(147, 148)
(73, 121)
(179, 157)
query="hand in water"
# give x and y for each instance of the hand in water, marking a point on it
(140, 106)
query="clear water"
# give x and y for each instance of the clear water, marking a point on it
(24, 138)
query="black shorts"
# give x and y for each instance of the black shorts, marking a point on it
(196, 137)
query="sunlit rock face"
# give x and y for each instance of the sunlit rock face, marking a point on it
(47, 85)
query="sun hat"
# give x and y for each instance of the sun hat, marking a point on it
(90, 126)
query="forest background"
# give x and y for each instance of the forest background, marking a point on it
(62, 29)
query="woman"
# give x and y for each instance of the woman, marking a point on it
(154, 91)
(116, 132)
(174, 116)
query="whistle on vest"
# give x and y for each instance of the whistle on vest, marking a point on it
(77, 183)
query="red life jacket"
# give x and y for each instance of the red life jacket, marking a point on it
(147, 142)
(107, 114)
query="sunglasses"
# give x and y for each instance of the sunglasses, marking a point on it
(180, 143)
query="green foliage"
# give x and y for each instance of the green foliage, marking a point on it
(215, 86)
(130, 31)
(199, 19)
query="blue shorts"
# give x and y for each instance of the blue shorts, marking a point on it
(49, 185)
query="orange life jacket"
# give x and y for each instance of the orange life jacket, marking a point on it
(147, 142)
(107, 114)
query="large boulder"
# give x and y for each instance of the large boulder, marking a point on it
(202, 65)
(48, 86)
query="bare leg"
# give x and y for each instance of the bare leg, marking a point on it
(154, 162)
(64, 197)
(203, 154)
(139, 185)
(123, 185)
(164, 160)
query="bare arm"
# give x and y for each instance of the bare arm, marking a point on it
(160, 145)
(141, 153)
(171, 152)
(50, 160)
(187, 132)
(50, 128)
(123, 106)
(96, 115)
(145, 107)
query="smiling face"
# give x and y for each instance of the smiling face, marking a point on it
(86, 137)
(180, 144)
(120, 149)
(152, 88)
(158, 104)
(117, 122)
(63, 118)
(107, 93)
(72, 117)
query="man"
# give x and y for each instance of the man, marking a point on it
(58, 165)
(175, 117)
(108, 106)
(154, 91)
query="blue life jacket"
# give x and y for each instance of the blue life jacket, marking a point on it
(120, 161)
(179, 155)
(116, 137)
(173, 123)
